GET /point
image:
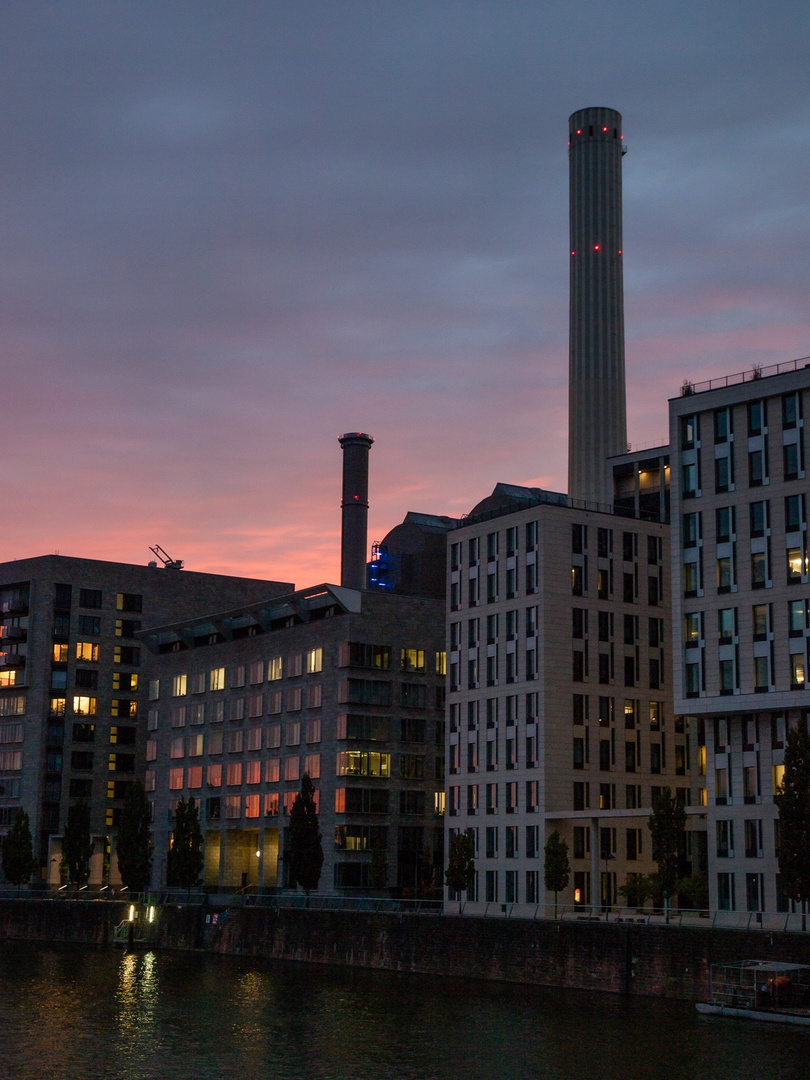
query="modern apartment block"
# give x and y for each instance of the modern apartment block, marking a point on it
(741, 608)
(345, 685)
(559, 696)
(72, 692)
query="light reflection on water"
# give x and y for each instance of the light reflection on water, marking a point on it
(75, 1014)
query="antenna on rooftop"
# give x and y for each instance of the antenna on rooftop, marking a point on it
(168, 562)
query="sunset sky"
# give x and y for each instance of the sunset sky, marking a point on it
(233, 230)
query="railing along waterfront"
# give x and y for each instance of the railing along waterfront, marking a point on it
(770, 921)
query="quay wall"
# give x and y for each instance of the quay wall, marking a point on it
(623, 958)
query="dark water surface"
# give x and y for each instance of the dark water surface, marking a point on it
(68, 1013)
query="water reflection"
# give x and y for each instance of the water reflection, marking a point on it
(70, 1013)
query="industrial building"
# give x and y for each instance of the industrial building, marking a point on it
(344, 683)
(560, 676)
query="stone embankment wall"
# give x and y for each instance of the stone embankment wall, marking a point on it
(662, 961)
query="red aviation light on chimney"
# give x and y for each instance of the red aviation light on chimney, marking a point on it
(579, 131)
(604, 129)
(595, 247)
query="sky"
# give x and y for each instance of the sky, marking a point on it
(232, 230)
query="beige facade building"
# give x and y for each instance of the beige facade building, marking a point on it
(741, 609)
(560, 705)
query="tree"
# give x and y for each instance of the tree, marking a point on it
(460, 863)
(694, 891)
(134, 841)
(667, 825)
(18, 851)
(77, 847)
(306, 852)
(184, 862)
(793, 802)
(557, 868)
(637, 889)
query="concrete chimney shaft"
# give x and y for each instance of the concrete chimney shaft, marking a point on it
(354, 531)
(597, 415)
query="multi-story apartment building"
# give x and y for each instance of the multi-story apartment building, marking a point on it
(560, 707)
(345, 685)
(741, 608)
(72, 689)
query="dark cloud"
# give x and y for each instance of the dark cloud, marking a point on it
(232, 231)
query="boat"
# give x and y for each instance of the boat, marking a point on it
(767, 990)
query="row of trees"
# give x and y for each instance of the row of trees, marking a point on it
(667, 825)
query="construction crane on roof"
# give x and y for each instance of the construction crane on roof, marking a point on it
(167, 560)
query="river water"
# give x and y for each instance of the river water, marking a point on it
(70, 1013)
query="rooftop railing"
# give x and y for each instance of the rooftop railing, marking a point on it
(754, 373)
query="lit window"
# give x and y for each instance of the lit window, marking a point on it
(60, 654)
(175, 779)
(179, 684)
(274, 668)
(84, 706)
(413, 660)
(314, 661)
(216, 679)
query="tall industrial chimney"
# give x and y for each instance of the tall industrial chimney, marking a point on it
(354, 532)
(597, 415)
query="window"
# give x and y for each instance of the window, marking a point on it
(689, 432)
(725, 892)
(725, 573)
(791, 464)
(413, 659)
(756, 468)
(726, 625)
(127, 602)
(722, 474)
(796, 617)
(690, 529)
(691, 628)
(691, 583)
(179, 685)
(796, 564)
(724, 524)
(577, 581)
(216, 678)
(725, 839)
(314, 661)
(796, 671)
(757, 417)
(759, 570)
(90, 598)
